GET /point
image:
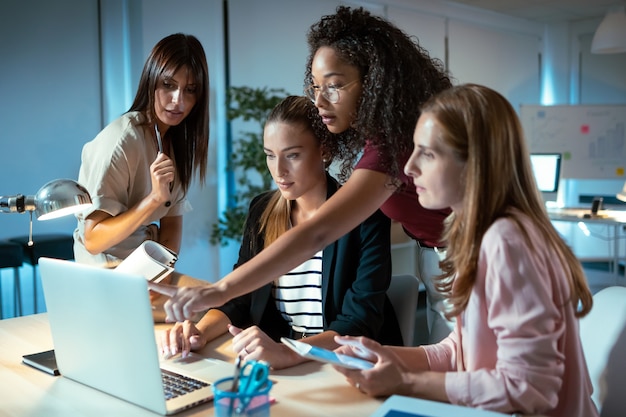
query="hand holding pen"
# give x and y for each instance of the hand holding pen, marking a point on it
(162, 172)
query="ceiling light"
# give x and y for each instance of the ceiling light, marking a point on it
(610, 37)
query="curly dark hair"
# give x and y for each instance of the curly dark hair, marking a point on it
(397, 75)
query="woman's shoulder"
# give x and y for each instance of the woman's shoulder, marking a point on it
(132, 119)
(132, 125)
(370, 158)
(514, 228)
(124, 132)
(128, 124)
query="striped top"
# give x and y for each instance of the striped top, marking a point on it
(298, 295)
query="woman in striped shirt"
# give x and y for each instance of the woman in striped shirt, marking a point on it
(341, 290)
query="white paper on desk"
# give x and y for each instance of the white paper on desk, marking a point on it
(151, 260)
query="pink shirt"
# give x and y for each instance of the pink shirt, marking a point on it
(520, 349)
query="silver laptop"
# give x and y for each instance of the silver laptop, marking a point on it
(103, 334)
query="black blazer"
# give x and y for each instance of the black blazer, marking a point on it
(356, 271)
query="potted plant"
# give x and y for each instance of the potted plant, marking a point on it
(247, 162)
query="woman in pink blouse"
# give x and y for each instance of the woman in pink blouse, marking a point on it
(514, 287)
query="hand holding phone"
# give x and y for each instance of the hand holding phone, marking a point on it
(324, 355)
(358, 348)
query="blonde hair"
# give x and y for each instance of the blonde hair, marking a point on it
(483, 130)
(293, 110)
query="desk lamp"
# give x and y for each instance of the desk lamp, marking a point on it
(55, 199)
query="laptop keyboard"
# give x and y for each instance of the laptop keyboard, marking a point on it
(176, 385)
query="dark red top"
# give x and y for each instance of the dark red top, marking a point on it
(403, 206)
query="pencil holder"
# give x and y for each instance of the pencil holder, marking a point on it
(229, 403)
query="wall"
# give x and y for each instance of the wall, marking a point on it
(54, 102)
(593, 80)
(472, 38)
(50, 83)
(58, 96)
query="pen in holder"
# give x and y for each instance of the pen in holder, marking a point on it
(249, 396)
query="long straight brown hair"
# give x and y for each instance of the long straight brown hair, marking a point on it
(190, 139)
(483, 130)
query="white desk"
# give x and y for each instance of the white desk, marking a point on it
(310, 389)
(615, 220)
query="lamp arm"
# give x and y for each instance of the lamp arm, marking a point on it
(17, 203)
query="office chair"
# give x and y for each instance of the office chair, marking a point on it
(599, 331)
(403, 293)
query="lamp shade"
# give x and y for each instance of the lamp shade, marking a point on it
(610, 37)
(622, 195)
(60, 198)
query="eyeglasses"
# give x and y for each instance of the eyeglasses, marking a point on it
(329, 92)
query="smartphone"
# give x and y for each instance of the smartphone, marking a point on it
(324, 355)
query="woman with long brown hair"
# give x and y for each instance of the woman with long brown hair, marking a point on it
(514, 287)
(138, 168)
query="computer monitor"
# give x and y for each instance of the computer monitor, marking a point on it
(547, 171)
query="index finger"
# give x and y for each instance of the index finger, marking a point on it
(168, 290)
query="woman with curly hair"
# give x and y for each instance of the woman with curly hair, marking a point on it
(367, 79)
(514, 286)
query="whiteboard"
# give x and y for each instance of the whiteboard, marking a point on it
(591, 138)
